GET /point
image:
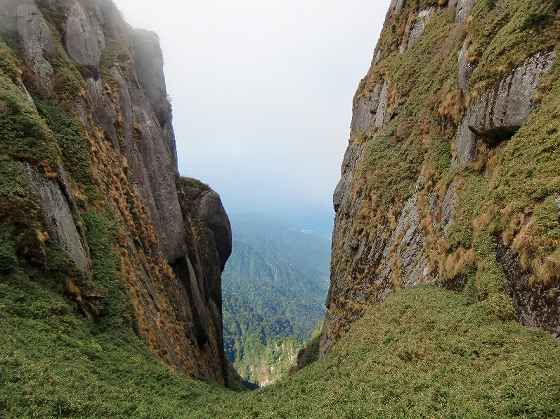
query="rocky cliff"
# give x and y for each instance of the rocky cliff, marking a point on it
(91, 204)
(452, 172)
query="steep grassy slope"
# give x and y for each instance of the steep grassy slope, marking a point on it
(424, 352)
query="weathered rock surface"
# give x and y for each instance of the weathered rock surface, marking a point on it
(499, 113)
(415, 28)
(58, 212)
(171, 246)
(84, 36)
(422, 233)
(37, 42)
(465, 67)
(536, 305)
(370, 108)
(209, 241)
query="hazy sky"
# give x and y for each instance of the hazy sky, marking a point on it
(262, 92)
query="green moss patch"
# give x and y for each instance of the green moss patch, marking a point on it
(504, 35)
(23, 133)
(9, 63)
(73, 143)
(101, 236)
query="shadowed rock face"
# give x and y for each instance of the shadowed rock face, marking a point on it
(173, 235)
(209, 241)
(411, 239)
(536, 305)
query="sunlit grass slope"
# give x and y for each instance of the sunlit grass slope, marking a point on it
(424, 353)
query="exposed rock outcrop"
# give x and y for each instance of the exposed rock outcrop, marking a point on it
(500, 112)
(415, 28)
(37, 41)
(433, 186)
(58, 210)
(86, 110)
(85, 40)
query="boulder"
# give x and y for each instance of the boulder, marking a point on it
(204, 207)
(501, 111)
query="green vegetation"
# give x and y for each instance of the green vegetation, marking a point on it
(23, 133)
(424, 352)
(264, 364)
(506, 34)
(9, 63)
(274, 288)
(101, 237)
(69, 82)
(8, 258)
(310, 352)
(73, 143)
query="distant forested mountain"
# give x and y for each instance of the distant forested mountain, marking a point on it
(274, 289)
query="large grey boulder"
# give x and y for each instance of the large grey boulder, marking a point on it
(204, 207)
(85, 40)
(502, 110)
(209, 245)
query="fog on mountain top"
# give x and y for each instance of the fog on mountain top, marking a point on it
(262, 92)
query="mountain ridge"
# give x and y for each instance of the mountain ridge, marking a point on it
(444, 294)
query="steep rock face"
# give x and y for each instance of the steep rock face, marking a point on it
(209, 245)
(90, 183)
(450, 176)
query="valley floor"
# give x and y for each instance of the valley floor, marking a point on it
(425, 352)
